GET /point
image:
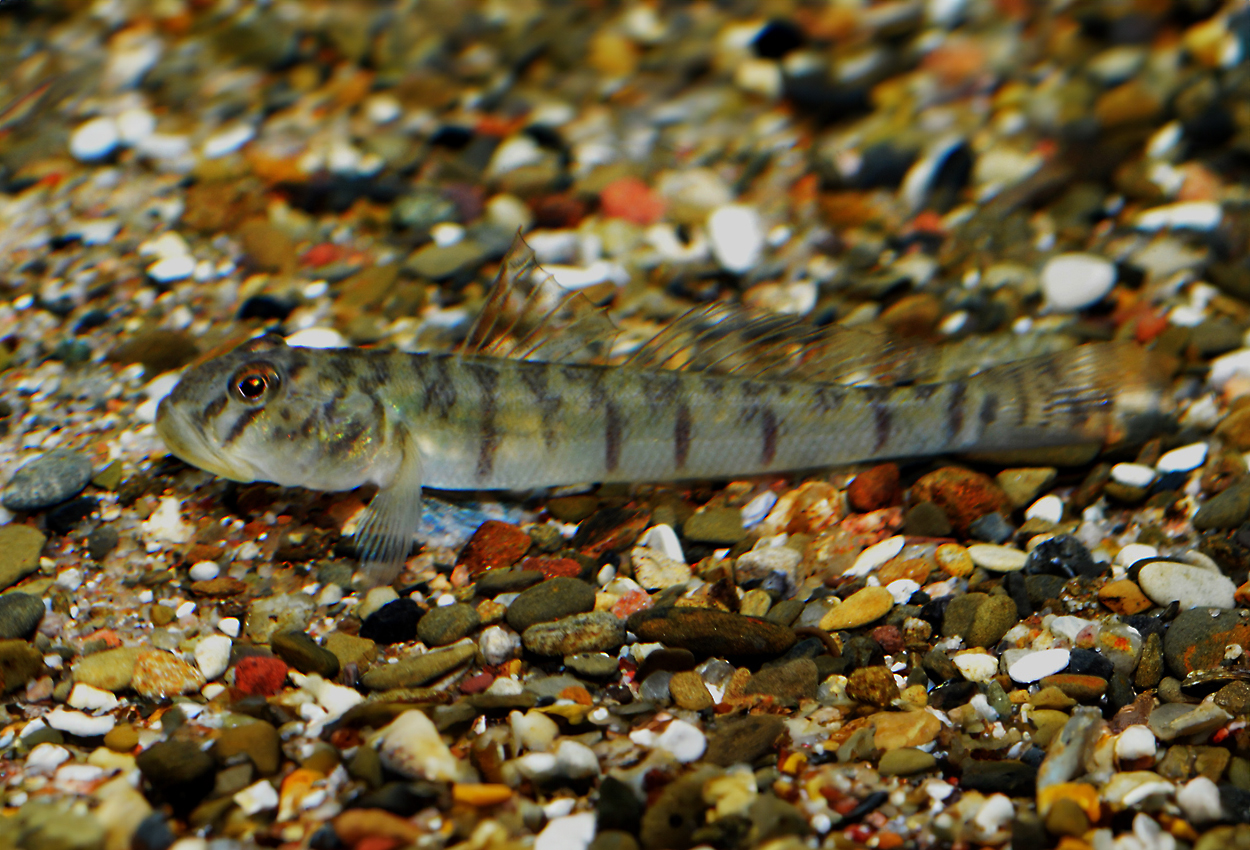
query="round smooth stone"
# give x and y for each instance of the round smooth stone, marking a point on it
(997, 559)
(1193, 587)
(1132, 474)
(1036, 666)
(94, 140)
(1183, 459)
(1076, 281)
(1048, 508)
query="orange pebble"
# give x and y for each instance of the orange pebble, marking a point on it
(577, 694)
(633, 200)
(480, 793)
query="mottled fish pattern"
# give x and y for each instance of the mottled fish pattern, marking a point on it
(334, 419)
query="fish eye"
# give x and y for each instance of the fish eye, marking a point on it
(252, 383)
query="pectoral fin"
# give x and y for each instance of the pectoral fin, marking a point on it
(392, 518)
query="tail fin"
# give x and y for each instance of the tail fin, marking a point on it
(1107, 393)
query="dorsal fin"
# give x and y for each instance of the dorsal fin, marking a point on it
(527, 316)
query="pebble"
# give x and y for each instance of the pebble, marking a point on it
(1191, 587)
(411, 746)
(860, 608)
(998, 559)
(571, 832)
(417, 670)
(976, 666)
(393, 622)
(304, 654)
(683, 741)
(725, 526)
(212, 655)
(551, 600)
(1076, 281)
(708, 632)
(1183, 459)
(256, 739)
(689, 691)
(876, 555)
(597, 631)
(204, 571)
(79, 724)
(160, 675)
(893, 730)
(48, 480)
(447, 624)
(1135, 742)
(1035, 666)
(655, 571)
(110, 670)
(905, 761)
(95, 140)
(737, 236)
(20, 614)
(1047, 508)
(1132, 474)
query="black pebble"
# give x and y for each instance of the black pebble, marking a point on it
(325, 838)
(1063, 556)
(861, 651)
(64, 517)
(404, 798)
(1018, 590)
(265, 307)
(394, 622)
(1087, 662)
(951, 695)
(777, 38)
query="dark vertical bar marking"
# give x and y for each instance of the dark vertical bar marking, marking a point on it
(955, 408)
(681, 435)
(612, 427)
(883, 423)
(768, 436)
(488, 431)
(246, 418)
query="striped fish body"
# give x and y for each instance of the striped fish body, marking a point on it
(340, 418)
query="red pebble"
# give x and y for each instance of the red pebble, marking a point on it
(476, 684)
(874, 489)
(322, 255)
(890, 638)
(494, 544)
(259, 676)
(964, 495)
(631, 199)
(553, 567)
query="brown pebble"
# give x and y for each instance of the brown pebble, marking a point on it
(1124, 597)
(689, 691)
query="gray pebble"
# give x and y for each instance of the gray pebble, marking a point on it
(20, 614)
(47, 480)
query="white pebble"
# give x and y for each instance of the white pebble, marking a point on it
(335, 699)
(997, 559)
(1183, 459)
(1199, 798)
(212, 655)
(995, 813)
(737, 236)
(80, 724)
(1192, 587)
(663, 539)
(515, 152)
(135, 125)
(1048, 508)
(227, 141)
(317, 338)
(976, 666)
(1132, 474)
(331, 594)
(498, 644)
(572, 832)
(1069, 627)
(257, 797)
(1038, 665)
(204, 571)
(1076, 281)
(902, 590)
(1225, 367)
(165, 525)
(46, 758)
(1191, 215)
(91, 698)
(412, 747)
(876, 555)
(533, 731)
(229, 625)
(70, 579)
(1135, 742)
(575, 760)
(683, 741)
(1135, 552)
(446, 233)
(171, 269)
(759, 76)
(754, 511)
(95, 140)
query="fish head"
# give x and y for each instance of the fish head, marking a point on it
(267, 411)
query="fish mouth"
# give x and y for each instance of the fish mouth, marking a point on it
(186, 441)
